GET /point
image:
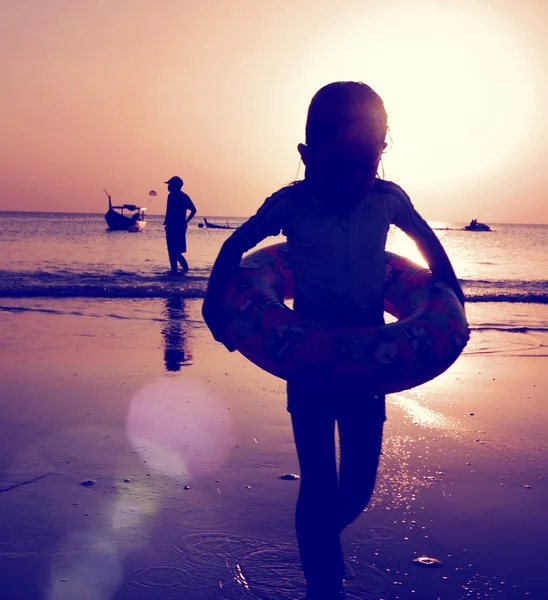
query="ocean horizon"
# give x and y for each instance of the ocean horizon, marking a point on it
(199, 216)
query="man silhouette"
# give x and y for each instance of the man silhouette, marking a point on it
(176, 222)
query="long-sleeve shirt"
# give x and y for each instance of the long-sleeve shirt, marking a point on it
(337, 258)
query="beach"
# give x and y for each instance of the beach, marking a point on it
(141, 460)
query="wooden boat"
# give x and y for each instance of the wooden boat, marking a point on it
(117, 221)
(216, 226)
(475, 226)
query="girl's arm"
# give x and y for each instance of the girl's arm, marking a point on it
(409, 220)
(269, 220)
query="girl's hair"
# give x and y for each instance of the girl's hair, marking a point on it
(328, 110)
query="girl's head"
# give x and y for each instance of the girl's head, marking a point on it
(346, 130)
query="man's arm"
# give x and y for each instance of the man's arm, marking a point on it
(167, 218)
(191, 208)
(268, 221)
(409, 220)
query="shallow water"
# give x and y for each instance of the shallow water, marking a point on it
(72, 255)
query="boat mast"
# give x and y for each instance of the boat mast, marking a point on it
(109, 201)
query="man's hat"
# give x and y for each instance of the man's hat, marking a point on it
(176, 180)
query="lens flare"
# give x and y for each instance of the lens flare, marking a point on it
(86, 566)
(134, 504)
(179, 428)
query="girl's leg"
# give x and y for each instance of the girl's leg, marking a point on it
(360, 435)
(316, 515)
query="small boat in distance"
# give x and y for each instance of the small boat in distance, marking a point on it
(215, 225)
(117, 221)
(475, 226)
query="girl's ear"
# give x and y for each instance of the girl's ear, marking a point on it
(304, 151)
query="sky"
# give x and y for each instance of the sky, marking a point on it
(123, 94)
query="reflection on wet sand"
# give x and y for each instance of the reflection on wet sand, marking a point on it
(176, 351)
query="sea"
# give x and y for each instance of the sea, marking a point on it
(47, 256)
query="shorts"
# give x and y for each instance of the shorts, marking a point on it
(336, 397)
(176, 241)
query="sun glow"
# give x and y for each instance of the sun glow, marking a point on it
(457, 87)
(460, 101)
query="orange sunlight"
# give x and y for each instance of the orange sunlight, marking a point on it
(124, 97)
(457, 85)
(455, 104)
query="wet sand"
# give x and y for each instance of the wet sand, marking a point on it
(182, 445)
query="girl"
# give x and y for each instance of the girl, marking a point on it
(336, 221)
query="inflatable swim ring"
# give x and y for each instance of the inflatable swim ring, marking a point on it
(430, 333)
